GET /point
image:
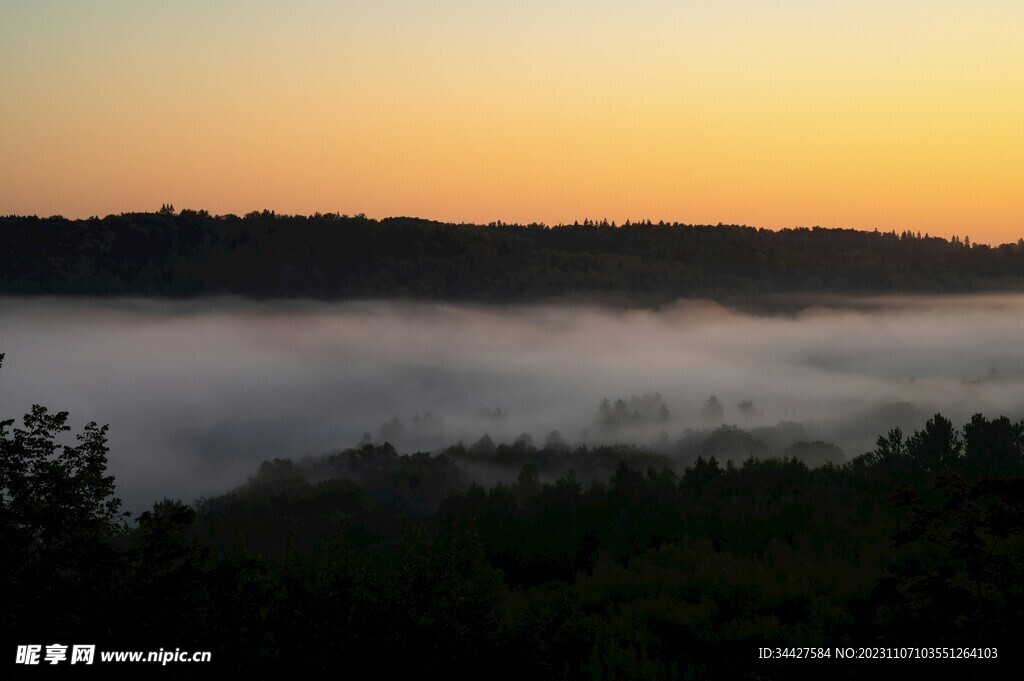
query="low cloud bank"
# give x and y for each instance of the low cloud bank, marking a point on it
(197, 393)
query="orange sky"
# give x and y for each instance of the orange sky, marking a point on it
(777, 114)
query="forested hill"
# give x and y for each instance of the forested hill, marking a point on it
(190, 253)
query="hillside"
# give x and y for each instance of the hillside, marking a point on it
(261, 255)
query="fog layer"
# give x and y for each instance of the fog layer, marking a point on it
(198, 393)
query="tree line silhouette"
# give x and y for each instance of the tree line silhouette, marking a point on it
(372, 561)
(330, 256)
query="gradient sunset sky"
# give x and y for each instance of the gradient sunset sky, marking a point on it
(895, 114)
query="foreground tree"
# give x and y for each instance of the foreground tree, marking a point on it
(960, 554)
(58, 517)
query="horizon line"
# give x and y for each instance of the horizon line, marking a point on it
(169, 210)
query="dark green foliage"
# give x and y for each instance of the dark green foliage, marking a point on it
(994, 447)
(58, 521)
(962, 556)
(332, 257)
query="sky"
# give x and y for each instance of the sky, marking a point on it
(879, 114)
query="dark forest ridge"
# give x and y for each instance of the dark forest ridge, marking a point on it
(330, 256)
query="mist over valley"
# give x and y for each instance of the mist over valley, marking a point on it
(198, 393)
